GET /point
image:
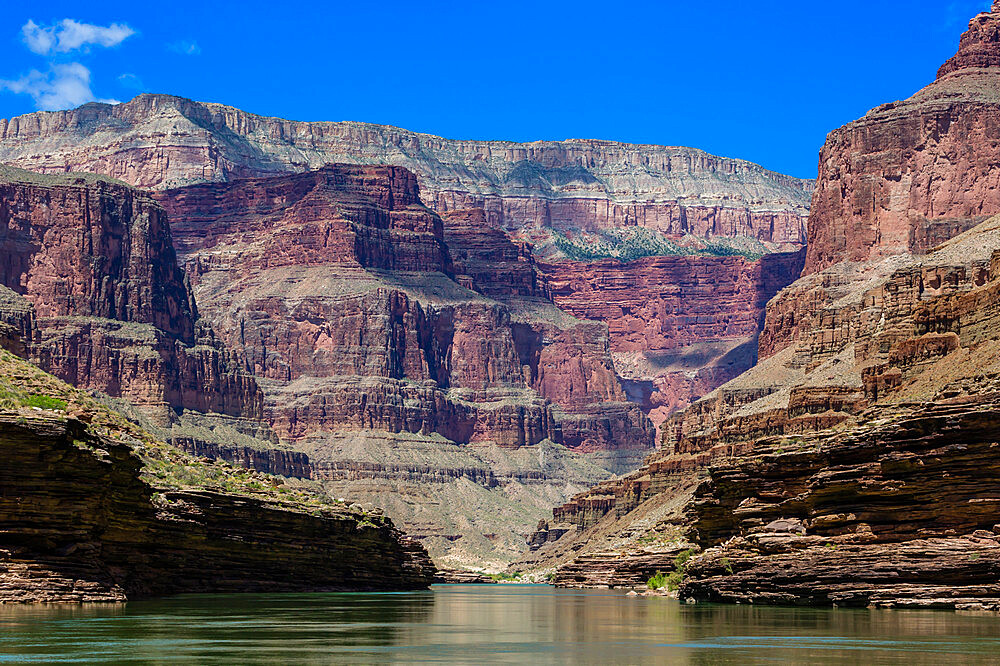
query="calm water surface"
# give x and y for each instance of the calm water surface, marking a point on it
(460, 624)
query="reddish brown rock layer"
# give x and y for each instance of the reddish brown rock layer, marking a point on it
(111, 309)
(534, 190)
(358, 339)
(665, 312)
(899, 515)
(912, 174)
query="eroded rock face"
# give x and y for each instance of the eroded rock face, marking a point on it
(110, 309)
(680, 326)
(161, 142)
(350, 300)
(911, 174)
(366, 317)
(541, 193)
(900, 515)
(79, 525)
(903, 338)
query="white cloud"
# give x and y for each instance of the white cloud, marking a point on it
(64, 86)
(69, 35)
(131, 81)
(185, 48)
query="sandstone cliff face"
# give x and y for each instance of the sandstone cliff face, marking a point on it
(110, 309)
(365, 316)
(160, 142)
(912, 174)
(79, 525)
(542, 193)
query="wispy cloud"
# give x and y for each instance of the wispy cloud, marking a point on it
(62, 87)
(185, 47)
(131, 81)
(69, 35)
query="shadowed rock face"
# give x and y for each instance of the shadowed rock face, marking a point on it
(80, 525)
(110, 310)
(680, 326)
(541, 193)
(912, 174)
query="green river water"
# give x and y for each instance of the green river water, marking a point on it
(464, 624)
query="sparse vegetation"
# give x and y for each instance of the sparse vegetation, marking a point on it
(672, 581)
(513, 577)
(45, 402)
(637, 243)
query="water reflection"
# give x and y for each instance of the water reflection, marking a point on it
(492, 624)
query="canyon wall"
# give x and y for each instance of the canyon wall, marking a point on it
(815, 477)
(110, 307)
(601, 200)
(402, 351)
(162, 142)
(912, 174)
(680, 326)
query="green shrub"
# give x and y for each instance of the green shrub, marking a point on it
(45, 402)
(658, 581)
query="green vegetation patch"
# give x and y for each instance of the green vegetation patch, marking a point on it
(635, 243)
(671, 580)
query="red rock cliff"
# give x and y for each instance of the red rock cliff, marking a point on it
(95, 261)
(338, 283)
(911, 174)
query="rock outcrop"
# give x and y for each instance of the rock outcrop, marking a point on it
(110, 309)
(898, 514)
(80, 525)
(912, 174)
(544, 194)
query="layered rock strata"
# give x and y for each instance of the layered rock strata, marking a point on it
(161, 142)
(79, 525)
(899, 514)
(365, 316)
(542, 193)
(110, 308)
(912, 174)
(680, 326)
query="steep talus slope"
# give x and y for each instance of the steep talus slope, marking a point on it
(404, 352)
(588, 208)
(96, 509)
(854, 463)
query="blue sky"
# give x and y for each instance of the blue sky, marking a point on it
(763, 81)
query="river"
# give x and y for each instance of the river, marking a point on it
(464, 624)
